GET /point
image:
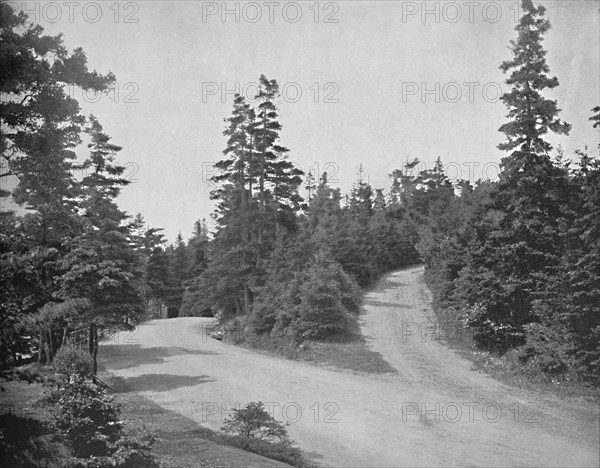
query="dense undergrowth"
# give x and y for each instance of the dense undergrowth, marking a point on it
(76, 423)
(69, 421)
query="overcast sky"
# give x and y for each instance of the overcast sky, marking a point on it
(365, 82)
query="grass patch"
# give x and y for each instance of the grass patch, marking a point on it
(348, 352)
(28, 437)
(183, 443)
(353, 355)
(21, 397)
(506, 367)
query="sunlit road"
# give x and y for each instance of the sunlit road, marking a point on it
(435, 411)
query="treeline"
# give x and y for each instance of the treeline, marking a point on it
(287, 265)
(169, 267)
(518, 263)
(70, 258)
(515, 260)
(518, 260)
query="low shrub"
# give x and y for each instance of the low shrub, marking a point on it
(254, 422)
(130, 452)
(253, 429)
(70, 360)
(283, 452)
(324, 300)
(86, 416)
(88, 420)
(319, 302)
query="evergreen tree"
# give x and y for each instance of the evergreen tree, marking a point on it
(585, 273)
(159, 277)
(531, 114)
(179, 265)
(41, 122)
(144, 239)
(101, 265)
(324, 208)
(404, 183)
(520, 247)
(179, 270)
(257, 195)
(41, 126)
(596, 117)
(311, 185)
(236, 206)
(198, 247)
(327, 300)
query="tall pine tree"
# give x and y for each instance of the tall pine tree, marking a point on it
(518, 247)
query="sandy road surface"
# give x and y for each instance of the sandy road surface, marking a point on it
(435, 412)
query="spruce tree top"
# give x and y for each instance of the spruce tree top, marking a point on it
(531, 114)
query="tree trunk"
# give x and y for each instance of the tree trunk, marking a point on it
(47, 357)
(247, 300)
(238, 306)
(261, 191)
(91, 339)
(244, 206)
(50, 346)
(95, 353)
(65, 334)
(41, 346)
(248, 214)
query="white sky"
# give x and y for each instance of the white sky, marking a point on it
(170, 61)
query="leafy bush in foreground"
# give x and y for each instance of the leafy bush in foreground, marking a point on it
(86, 416)
(253, 429)
(88, 420)
(253, 422)
(70, 360)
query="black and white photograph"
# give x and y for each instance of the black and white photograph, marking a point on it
(310, 234)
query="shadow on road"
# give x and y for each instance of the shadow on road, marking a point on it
(156, 382)
(374, 303)
(131, 355)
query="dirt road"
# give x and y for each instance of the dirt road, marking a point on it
(435, 412)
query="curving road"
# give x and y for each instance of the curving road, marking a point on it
(435, 411)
